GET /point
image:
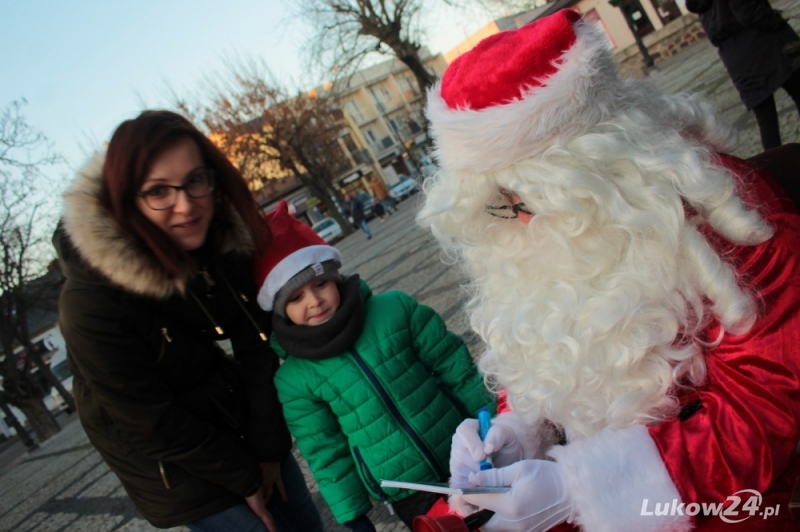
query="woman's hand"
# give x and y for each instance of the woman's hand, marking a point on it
(271, 476)
(257, 503)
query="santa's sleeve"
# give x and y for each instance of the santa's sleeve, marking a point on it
(741, 431)
(609, 476)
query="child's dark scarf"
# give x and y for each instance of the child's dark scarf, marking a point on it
(332, 337)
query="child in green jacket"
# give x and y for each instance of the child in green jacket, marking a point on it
(372, 386)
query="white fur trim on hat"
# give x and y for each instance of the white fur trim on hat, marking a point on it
(577, 95)
(610, 474)
(290, 266)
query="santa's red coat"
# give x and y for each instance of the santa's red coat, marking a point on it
(746, 428)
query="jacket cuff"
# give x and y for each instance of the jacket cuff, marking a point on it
(252, 483)
(616, 478)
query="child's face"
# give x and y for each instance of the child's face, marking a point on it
(314, 303)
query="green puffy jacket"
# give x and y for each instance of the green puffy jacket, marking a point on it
(385, 409)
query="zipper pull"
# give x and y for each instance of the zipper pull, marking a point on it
(166, 334)
(263, 336)
(219, 330)
(207, 276)
(244, 297)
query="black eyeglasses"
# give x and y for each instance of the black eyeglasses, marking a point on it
(501, 211)
(161, 197)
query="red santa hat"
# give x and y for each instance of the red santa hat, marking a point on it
(296, 255)
(518, 92)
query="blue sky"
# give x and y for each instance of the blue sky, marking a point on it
(86, 65)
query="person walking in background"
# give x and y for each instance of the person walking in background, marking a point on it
(372, 386)
(155, 244)
(381, 192)
(377, 207)
(761, 53)
(354, 210)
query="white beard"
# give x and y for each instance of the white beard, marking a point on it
(592, 313)
(582, 330)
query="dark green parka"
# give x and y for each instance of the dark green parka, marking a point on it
(385, 408)
(182, 425)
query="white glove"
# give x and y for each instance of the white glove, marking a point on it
(462, 462)
(537, 501)
(468, 451)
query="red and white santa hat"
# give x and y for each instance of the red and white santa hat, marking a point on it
(518, 92)
(296, 255)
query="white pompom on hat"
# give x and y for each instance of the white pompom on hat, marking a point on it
(519, 92)
(296, 254)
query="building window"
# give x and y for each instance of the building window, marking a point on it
(380, 95)
(640, 19)
(354, 111)
(348, 142)
(408, 86)
(668, 10)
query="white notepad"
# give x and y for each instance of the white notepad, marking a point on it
(441, 487)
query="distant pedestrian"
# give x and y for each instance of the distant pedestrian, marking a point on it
(377, 207)
(372, 386)
(354, 210)
(760, 51)
(381, 192)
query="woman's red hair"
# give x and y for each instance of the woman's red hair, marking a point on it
(134, 147)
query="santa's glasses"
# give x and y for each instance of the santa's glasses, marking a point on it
(509, 210)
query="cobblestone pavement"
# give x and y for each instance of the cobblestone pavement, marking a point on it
(65, 486)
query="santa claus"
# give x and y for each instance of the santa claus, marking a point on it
(636, 290)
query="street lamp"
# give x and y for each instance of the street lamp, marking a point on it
(622, 5)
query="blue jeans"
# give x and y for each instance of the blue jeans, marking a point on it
(298, 514)
(364, 227)
(389, 202)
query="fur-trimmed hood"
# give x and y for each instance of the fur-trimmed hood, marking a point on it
(114, 253)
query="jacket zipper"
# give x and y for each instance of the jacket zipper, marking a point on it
(164, 342)
(397, 415)
(372, 484)
(163, 475)
(233, 292)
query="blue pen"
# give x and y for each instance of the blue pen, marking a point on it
(484, 424)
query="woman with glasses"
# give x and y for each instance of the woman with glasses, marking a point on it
(155, 244)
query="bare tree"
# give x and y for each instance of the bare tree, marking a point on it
(24, 254)
(270, 133)
(345, 32)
